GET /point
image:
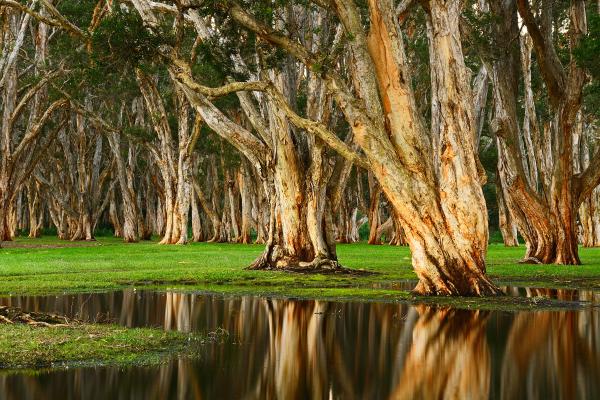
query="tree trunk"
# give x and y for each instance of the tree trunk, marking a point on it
(508, 228)
(303, 237)
(210, 212)
(246, 203)
(445, 226)
(374, 223)
(546, 211)
(35, 209)
(130, 230)
(589, 215)
(113, 215)
(197, 234)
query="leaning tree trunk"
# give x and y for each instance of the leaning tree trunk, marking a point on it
(445, 223)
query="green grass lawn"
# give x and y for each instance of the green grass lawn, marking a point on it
(43, 267)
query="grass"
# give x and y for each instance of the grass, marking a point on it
(24, 347)
(46, 266)
(109, 264)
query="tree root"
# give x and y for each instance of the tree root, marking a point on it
(316, 266)
(479, 287)
(14, 315)
(530, 260)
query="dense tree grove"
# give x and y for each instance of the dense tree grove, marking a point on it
(302, 124)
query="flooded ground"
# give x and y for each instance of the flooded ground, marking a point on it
(291, 349)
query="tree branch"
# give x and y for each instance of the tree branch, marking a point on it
(318, 129)
(183, 72)
(585, 182)
(550, 67)
(65, 23)
(92, 116)
(37, 127)
(30, 93)
(59, 21)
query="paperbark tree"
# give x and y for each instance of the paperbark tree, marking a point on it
(25, 113)
(291, 166)
(441, 206)
(129, 230)
(175, 169)
(84, 190)
(541, 187)
(589, 211)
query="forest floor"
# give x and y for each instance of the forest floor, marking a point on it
(48, 266)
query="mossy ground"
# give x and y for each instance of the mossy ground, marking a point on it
(27, 347)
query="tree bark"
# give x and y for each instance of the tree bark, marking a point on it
(374, 193)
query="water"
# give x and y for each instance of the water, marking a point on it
(314, 349)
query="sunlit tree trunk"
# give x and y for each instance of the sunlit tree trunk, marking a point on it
(374, 223)
(445, 225)
(303, 236)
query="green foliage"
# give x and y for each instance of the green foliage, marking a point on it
(139, 133)
(78, 12)
(591, 99)
(478, 26)
(588, 51)
(122, 40)
(587, 56)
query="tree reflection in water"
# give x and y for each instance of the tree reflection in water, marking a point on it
(449, 357)
(285, 349)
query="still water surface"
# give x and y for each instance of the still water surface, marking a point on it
(288, 349)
